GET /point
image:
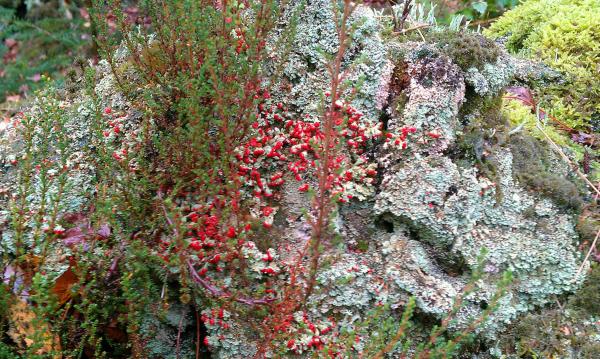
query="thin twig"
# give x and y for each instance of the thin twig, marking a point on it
(405, 12)
(217, 292)
(587, 256)
(417, 27)
(197, 333)
(178, 344)
(567, 160)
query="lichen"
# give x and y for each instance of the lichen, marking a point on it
(305, 77)
(452, 207)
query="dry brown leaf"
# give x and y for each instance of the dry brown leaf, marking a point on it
(63, 286)
(23, 329)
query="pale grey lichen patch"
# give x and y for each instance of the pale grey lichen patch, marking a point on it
(435, 93)
(453, 212)
(172, 333)
(492, 78)
(540, 251)
(411, 269)
(349, 285)
(305, 73)
(229, 342)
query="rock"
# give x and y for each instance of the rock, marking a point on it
(421, 228)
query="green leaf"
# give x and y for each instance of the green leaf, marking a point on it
(480, 7)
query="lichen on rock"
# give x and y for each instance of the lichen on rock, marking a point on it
(416, 227)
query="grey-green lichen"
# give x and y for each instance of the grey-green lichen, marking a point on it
(455, 209)
(438, 214)
(305, 77)
(172, 332)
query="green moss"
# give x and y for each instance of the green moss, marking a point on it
(362, 245)
(560, 331)
(536, 335)
(564, 34)
(586, 302)
(466, 49)
(587, 227)
(483, 128)
(521, 115)
(530, 167)
(590, 351)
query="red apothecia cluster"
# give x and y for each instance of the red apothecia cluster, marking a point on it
(279, 148)
(113, 128)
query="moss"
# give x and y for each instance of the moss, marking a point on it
(538, 335)
(530, 167)
(586, 302)
(466, 49)
(560, 331)
(565, 35)
(521, 115)
(483, 128)
(362, 245)
(587, 228)
(590, 351)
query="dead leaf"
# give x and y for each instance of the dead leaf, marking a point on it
(24, 325)
(115, 333)
(63, 286)
(13, 98)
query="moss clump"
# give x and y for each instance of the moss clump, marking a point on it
(466, 49)
(521, 115)
(530, 167)
(587, 227)
(586, 302)
(565, 35)
(560, 331)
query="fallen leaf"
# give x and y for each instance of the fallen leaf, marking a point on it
(522, 94)
(63, 286)
(13, 98)
(25, 325)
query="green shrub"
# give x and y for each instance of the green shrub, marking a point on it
(45, 42)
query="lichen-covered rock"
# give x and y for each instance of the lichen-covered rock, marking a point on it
(452, 212)
(305, 77)
(418, 230)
